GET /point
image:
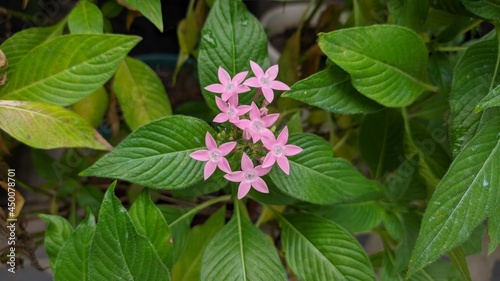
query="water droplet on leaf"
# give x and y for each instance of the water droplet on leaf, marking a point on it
(209, 38)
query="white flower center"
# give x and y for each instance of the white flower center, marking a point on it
(250, 175)
(215, 156)
(230, 87)
(264, 81)
(231, 111)
(278, 150)
(257, 126)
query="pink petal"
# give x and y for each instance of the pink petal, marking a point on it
(234, 119)
(243, 189)
(269, 141)
(277, 85)
(266, 133)
(241, 89)
(269, 119)
(272, 72)
(234, 176)
(215, 88)
(260, 185)
(200, 155)
(254, 112)
(255, 136)
(210, 142)
(227, 147)
(221, 104)
(246, 162)
(252, 82)
(257, 70)
(238, 78)
(268, 94)
(261, 171)
(283, 136)
(209, 170)
(269, 160)
(243, 124)
(242, 109)
(232, 101)
(224, 165)
(227, 95)
(224, 77)
(221, 118)
(291, 150)
(284, 165)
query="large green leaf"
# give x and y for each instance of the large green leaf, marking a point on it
(381, 141)
(93, 107)
(140, 92)
(58, 232)
(73, 259)
(331, 90)
(317, 177)
(21, 43)
(465, 197)
(240, 251)
(83, 64)
(387, 63)
(150, 223)
(318, 249)
(118, 251)
(47, 126)
(157, 154)
(230, 38)
(189, 264)
(86, 18)
(488, 9)
(491, 100)
(151, 9)
(475, 74)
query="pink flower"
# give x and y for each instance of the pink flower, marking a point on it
(249, 177)
(228, 86)
(257, 125)
(230, 110)
(214, 156)
(278, 150)
(266, 81)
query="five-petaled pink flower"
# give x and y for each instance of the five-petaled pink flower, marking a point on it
(265, 81)
(249, 177)
(279, 150)
(228, 86)
(214, 156)
(257, 125)
(230, 110)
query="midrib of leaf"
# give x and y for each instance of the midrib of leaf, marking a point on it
(320, 254)
(57, 121)
(85, 14)
(465, 195)
(122, 254)
(420, 83)
(240, 237)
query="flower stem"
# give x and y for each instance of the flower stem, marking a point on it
(200, 207)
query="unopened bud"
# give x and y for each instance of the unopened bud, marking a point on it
(246, 134)
(263, 111)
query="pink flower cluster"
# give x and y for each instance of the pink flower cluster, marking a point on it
(256, 128)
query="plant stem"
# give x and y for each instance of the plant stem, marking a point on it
(200, 207)
(452, 48)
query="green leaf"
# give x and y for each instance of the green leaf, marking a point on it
(331, 90)
(318, 249)
(189, 264)
(157, 154)
(354, 217)
(179, 222)
(83, 64)
(90, 197)
(240, 251)
(463, 199)
(317, 177)
(140, 92)
(488, 9)
(58, 232)
(381, 141)
(406, 184)
(118, 252)
(491, 100)
(474, 76)
(93, 107)
(150, 223)
(387, 63)
(23, 42)
(228, 47)
(73, 259)
(151, 9)
(47, 126)
(494, 230)
(458, 260)
(411, 14)
(438, 271)
(85, 18)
